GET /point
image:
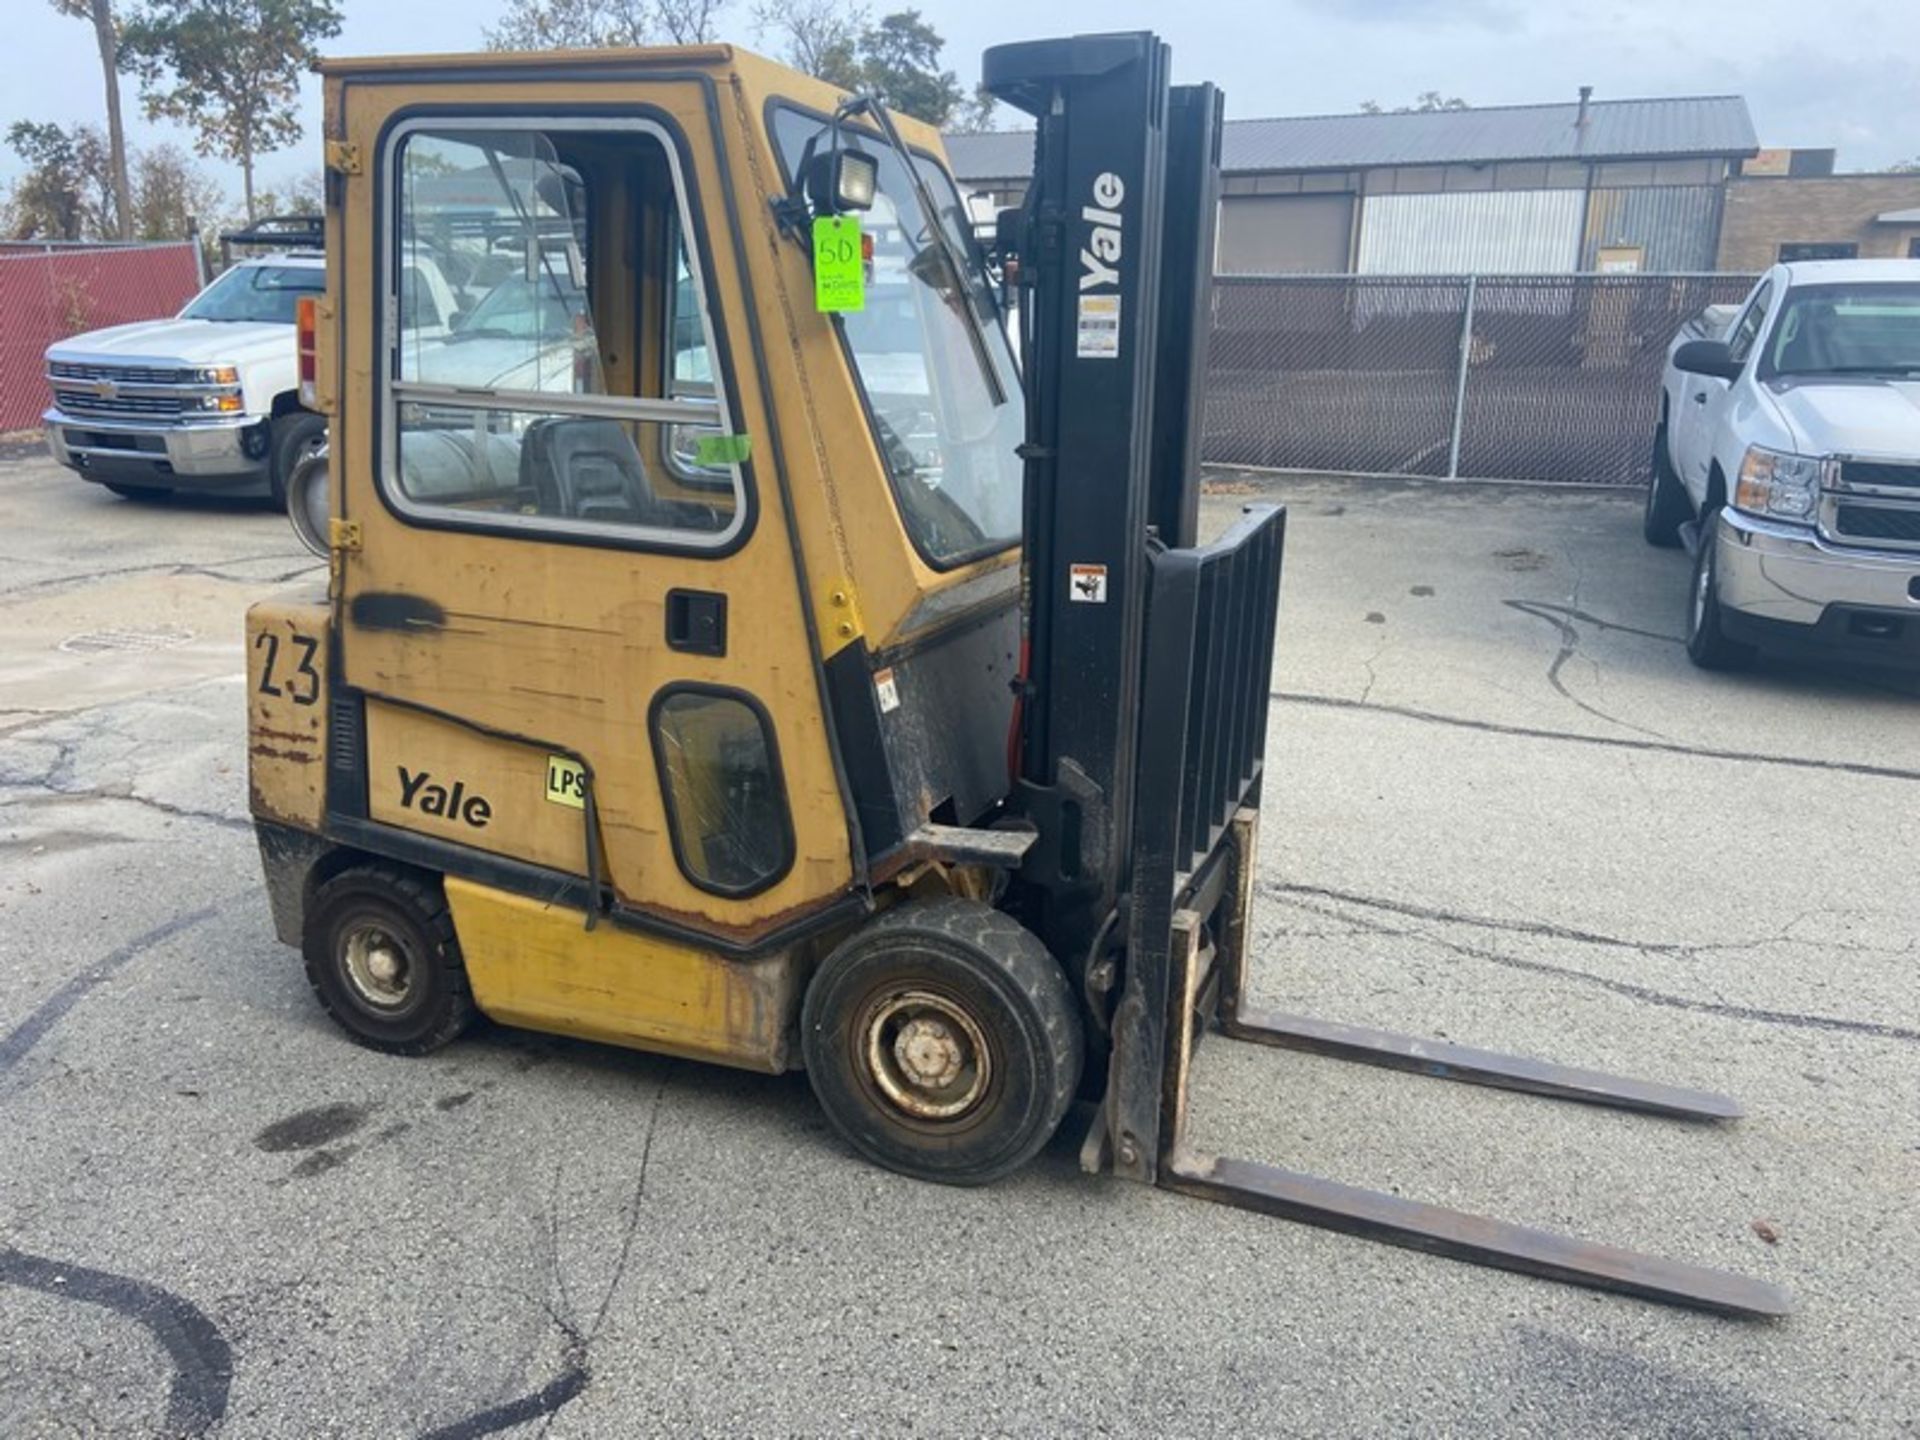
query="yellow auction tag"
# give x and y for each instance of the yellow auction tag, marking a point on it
(839, 265)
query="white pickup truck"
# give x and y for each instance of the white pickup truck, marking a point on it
(1787, 460)
(204, 401)
(208, 400)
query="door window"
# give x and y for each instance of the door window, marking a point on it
(502, 414)
(1740, 342)
(726, 805)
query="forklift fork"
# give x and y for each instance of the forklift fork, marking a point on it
(1208, 982)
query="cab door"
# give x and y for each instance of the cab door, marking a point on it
(572, 627)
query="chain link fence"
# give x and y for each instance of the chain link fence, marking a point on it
(50, 292)
(1510, 377)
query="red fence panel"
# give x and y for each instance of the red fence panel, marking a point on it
(48, 295)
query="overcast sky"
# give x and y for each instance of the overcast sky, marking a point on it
(1844, 73)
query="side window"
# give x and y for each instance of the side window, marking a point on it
(689, 366)
(417, 302)
(726, 806)
(501, 414)
(1747, 329)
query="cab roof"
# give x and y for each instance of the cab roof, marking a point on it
(1852, 272)
(624, 57)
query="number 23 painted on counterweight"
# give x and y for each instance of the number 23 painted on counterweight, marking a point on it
(291, 686)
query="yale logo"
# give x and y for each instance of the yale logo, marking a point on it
(566, 782)
(419, 792)
(1100, 256)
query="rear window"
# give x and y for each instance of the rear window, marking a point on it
(257, 293)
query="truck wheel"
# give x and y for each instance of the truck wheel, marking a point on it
(1667, 505)
(291, 440)
(1707, 645)
(383, 958)
(137, 492)
(942, 1042)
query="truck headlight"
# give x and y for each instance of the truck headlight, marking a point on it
(219, 375)
(1777, 484)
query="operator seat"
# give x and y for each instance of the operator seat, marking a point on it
(588, 469)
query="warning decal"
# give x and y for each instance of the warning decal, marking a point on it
(888, 690)
(1087, 584)
(1099, 330)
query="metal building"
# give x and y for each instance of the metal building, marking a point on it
(1614, 185)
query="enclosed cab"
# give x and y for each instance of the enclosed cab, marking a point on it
(669, 626)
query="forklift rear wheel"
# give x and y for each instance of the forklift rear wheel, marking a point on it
(383, 958)
(943, 1042)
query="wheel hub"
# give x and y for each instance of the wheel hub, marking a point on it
(926, 1055)
(377, 967)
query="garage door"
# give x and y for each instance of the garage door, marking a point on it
(1284, 234)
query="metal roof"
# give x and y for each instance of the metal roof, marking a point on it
(1615, 130)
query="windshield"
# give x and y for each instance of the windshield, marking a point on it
(257, 292)
(1847, 330)
(948, 441)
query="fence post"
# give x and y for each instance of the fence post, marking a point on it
(1460, 386)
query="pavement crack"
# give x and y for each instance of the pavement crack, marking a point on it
(1570, 647)
(1645, 994)
(576, 1371)
(1666, 747)
(202, 1359)
(15, 1044)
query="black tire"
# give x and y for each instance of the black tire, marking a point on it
(1668, 507)
(290, 440)
(384, 908)
(137, 492)
(972, 982)
(1707, 643)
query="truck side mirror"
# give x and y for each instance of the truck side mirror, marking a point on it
(1707, 357)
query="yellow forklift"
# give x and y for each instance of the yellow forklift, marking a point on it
(734, 647)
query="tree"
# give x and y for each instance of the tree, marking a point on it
(897, 57)
(229, 68)
(603, 24)
(170, 194)
(899, 60)
(45, 202)
(1425, 103)
(1905, 167)
(67, 192)
(821, 38)
(106, 36)
(977, 116)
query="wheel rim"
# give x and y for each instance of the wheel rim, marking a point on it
(378, 967)
(1702, 587)
(927, 1056)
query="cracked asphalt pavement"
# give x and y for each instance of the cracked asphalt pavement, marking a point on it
(1501, 808)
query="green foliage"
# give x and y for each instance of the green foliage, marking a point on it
(67, 192)
(1425, 103)
(230, 69)
(896, 57)
(603, 24)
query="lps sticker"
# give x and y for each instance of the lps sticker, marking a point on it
(887, 689)
(1087, 584)
(566, 782)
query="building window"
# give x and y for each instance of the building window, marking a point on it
(1913, 248)
(1819, 250)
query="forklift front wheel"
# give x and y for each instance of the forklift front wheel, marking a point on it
(383, 958)
(942, 1042)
